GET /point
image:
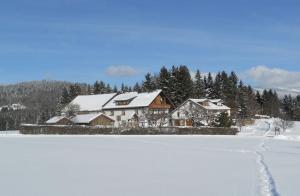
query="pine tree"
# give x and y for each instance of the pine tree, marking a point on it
(137, 87)
(217, 88)
(223, 120)
(259, 101)
(108, 88)
(74, 91)
(184, 85)
(149, 83)
(164, 81)
(209, 86)
(199, 88)
(242, 101)
(97, 88)
(115, 90)
(65, 98)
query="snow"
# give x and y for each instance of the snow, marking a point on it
(126, 96)
(139, 100)
(211, 104)
(55, 119)
(86, 118)
(252, 163)
(92, 102)
(292, 133)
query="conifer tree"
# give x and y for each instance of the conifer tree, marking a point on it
(199, 88)
(164, 81)
(209, 86)
(149, 83)
(97, 88)
(137, 87)
(115, 90)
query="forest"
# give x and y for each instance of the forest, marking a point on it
(44, 99)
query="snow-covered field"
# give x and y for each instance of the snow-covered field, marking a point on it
(252, 163)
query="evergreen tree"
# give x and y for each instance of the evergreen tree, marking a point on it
(137, 88)
(149, 83)
(199, 88)
(97, 88)
(242, 101)
(164, 81)
(115, 90)
(209, 86)
(74, 91)
(223, 120)
(217, 88)
(108, 88)
(183, 85)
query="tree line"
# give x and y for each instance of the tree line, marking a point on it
(44, 99)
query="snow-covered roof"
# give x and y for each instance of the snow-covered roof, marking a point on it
(216, 100)
(92, 102)
(211, 105)
(55, 119)
(87, 118)
(199, 100)
(139, 100)
(126, 96)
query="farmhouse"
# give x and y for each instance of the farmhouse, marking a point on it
(135, 109)
(198, 111)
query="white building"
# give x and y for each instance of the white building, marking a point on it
(201, 111)
(139, 109)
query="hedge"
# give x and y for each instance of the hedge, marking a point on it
(87, 130)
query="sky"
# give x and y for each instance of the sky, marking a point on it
(121, 40)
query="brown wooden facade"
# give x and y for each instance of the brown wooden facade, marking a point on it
(101, 120)
(161, 102)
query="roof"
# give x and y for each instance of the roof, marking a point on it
(55, 119)
(92, 102)
(211, 105)
(216, 100)
(199, 100)
(126, 96)
(87, 118)
(139, 100)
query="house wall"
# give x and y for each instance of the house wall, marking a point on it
(160, 102)
(128, 118)
(101, 120)
(121, 116)
(64, 121)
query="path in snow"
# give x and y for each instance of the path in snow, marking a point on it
(268, 186)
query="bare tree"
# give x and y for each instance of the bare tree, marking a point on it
(198, 115)
(283, 124)
(71, 109)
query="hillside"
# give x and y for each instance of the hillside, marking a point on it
(36, 96)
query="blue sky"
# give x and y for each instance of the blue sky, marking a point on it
(120, 40)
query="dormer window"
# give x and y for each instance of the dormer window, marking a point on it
(122, 102)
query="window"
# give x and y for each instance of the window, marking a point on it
(122, 102)
(123, 112)
(136, 111)
(178, 114)
(118, 118)
(111, 113)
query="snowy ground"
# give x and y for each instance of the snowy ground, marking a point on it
(252, 163)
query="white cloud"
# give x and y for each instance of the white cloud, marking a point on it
(121, 70)
(276, 78)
